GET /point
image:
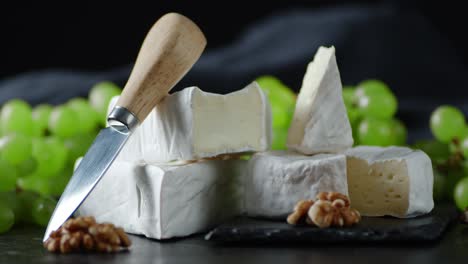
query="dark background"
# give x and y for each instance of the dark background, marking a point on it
(50, 53)
(96, 36)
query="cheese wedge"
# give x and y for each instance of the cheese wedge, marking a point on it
(393, 181)
(192, 124)
(320, 123)
(163, 202)
(277, 180)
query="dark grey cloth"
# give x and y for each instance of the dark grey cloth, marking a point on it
(399, 47)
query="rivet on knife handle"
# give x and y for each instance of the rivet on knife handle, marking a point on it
(170, 49)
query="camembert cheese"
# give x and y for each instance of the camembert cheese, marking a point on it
(395, 181)
(320, 123)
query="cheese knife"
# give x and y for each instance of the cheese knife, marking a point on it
(170, 49)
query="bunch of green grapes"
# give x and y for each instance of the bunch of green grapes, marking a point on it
(38, 147)
(448, 152)
(24, 207)
(282, 100)
(371, 108)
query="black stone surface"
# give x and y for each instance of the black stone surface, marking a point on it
(371, 229)
(23, 245)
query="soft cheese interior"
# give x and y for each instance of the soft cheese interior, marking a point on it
(277, 180)
(192, 124)
(320, 123)
(167, 201)
(393, 181)
(230, 123)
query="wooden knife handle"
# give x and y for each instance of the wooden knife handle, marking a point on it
(170, 49)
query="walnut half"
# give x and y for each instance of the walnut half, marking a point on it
(84, 234)
(330, 209)
(300, 212)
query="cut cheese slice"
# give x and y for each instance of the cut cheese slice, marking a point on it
(167, 201)
(277, 180)
(192, 124)
(393, 181)
(320, 123)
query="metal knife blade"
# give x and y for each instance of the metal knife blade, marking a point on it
(94, 165)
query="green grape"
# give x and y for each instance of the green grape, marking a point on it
(460, 194)
(7, 218)
(349, 96)
(353, 115)
(439, 186)
(10, 200)
(372, 86)
(375, 99)
(452, 177)
(447, 123)
(37, 131)
(281, 98)
(281, 118)
(41, 115)
(400, 132)
(376, 132)
(88, 118)
(438, 152)
(465, 166)
(51, 156)
(15, 148)
(42, 210)
(465, 132)
(35, 183)
(100, 97)
(16, 117)
(355, 131)
(64, 122)
(455, 146)
(25, 200)
(27, 167)
(378, 105)
(464, 146)
(280, 136)
(8, 176)
(78, 145)
(60, 181)
(276, 91)
(246, 157)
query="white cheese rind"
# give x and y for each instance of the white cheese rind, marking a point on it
(163, 202)
(395, 181)
(320, 123)
(192, 124)
(277, 180)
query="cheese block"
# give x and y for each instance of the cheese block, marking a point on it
(320, 123)
(192, 124)
(277, 180)
(167, 201)
(395, 181)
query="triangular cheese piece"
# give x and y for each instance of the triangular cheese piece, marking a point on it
(320, 123)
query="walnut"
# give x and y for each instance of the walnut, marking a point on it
(84, 234)
(322, 213)
(332, 196)
(300, 212)
(330, 209)
(350, 216)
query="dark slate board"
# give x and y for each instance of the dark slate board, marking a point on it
(371, 229)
